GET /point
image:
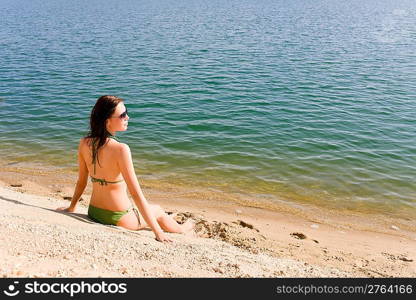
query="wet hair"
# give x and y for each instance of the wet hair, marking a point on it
(98, 134)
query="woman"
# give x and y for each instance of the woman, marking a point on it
(110, 166)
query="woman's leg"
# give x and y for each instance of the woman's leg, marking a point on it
(167, 223)
(131, 222)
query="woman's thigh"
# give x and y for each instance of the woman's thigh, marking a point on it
(131, 222)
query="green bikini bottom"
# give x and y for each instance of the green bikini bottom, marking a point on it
(109, 217)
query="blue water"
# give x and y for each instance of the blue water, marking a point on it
(307, 101)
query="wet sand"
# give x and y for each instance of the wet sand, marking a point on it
(291, 240)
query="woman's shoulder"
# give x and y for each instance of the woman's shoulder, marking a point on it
(114, 144)
(84, 141)
(123, 149)
(123, 146)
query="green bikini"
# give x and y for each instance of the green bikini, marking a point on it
(105, 216)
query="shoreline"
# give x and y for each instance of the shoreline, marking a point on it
(248, 196)
(58, 182)
(354, 244)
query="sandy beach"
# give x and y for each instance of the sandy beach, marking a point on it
(232, 239)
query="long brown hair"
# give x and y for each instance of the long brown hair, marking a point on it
(98, 134)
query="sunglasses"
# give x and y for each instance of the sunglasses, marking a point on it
(122, 116)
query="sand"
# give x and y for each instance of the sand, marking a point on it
(232, 239)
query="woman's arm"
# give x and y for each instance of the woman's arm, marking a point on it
(81, 182)
(127, 170)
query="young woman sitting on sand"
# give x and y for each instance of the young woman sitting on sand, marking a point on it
(110, 167)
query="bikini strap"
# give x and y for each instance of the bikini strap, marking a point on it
(114, 138)
(103, 181)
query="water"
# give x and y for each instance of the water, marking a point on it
(306, 101)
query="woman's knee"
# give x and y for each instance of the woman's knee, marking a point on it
(157, 210)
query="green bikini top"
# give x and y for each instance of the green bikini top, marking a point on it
(103, 181)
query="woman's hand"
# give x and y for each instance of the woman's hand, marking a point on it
(66, 209)
(162, 237)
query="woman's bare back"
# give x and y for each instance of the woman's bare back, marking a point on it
(112, 196)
